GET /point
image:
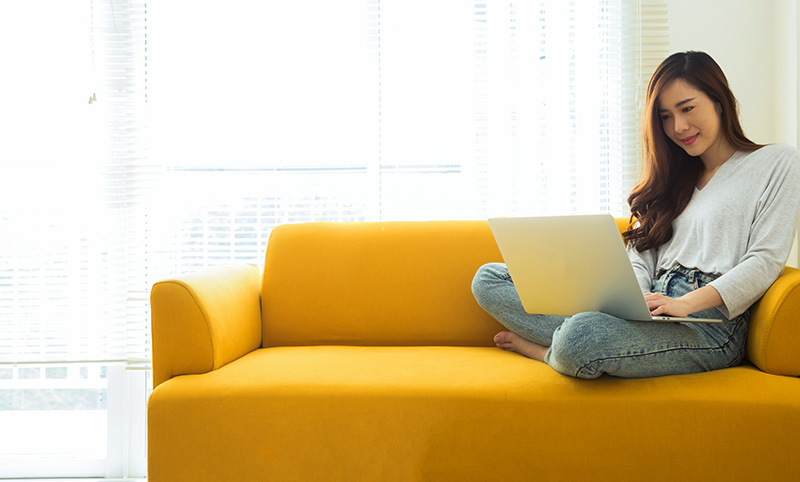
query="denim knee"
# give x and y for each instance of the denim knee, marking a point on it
(579, 345)
(487, 276)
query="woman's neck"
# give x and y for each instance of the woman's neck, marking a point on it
(716, 156)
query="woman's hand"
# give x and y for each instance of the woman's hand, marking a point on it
(701, 299)
(661, 305)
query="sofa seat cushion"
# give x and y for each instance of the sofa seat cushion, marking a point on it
(390, 413)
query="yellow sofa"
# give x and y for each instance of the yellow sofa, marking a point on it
(361, 355)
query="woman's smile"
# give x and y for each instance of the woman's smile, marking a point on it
(689, 140)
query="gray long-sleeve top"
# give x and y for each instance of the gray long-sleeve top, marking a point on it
(740, 225)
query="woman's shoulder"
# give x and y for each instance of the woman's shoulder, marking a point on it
(776, 151)
(777, 165)
(772, 157)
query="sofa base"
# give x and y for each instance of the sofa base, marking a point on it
(464, 413)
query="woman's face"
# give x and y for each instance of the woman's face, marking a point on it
(693, 121)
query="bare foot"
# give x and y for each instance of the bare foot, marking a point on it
(512, 342)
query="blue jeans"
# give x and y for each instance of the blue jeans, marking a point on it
(587, 345)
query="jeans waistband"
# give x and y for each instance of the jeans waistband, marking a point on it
(691, 273)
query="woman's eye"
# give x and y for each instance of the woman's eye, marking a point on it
(687, 109)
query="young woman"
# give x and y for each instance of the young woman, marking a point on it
(715, 216)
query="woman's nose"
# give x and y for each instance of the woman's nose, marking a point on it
(681, 124)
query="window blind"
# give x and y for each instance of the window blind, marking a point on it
(120, 53)
(205, 130)
(72, 171)
(386, 110)
(645, 43)
(140, 141)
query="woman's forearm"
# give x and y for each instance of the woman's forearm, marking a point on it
(700, 299)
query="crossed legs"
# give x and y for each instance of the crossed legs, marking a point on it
(589, 344)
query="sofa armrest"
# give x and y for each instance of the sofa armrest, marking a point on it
(773, 344)
(204, 320)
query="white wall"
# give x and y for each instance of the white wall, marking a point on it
(786, 20)
(756, 44)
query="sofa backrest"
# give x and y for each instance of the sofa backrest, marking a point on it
(409, 283)
(392, 283)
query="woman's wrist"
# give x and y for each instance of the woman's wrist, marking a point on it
(702, 299)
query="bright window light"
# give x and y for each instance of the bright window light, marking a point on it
(142, 140)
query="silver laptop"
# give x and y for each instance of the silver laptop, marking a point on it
(563, 265)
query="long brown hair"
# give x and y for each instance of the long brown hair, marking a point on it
(669, 174)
